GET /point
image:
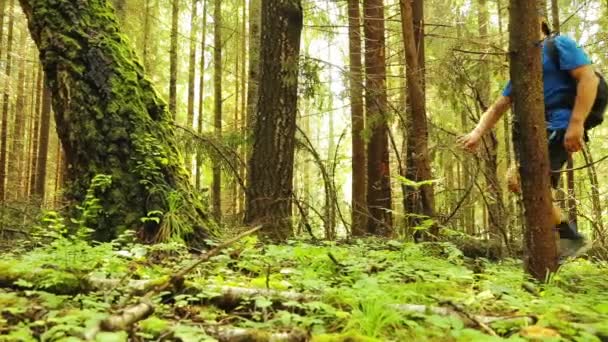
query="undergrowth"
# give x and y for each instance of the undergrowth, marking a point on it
(346, 292)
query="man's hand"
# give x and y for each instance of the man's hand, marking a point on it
(573, 141)
(470, 141)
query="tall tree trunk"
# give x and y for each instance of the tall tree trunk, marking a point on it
(526, 75)
(6, 101)
(43, 150)
(270, 172)
(201, 95)
(379, 202)
(36, 131)
(173, 58)
(111, 121)
(418, 159)
(243, 90)
(494, 199)
(217, 97)
(237, 98)
(17, 151)
(253, 82)
(359, 217)
(191, 79)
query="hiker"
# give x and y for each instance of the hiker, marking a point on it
(570, 89)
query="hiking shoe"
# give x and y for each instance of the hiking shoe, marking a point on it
(572, 248)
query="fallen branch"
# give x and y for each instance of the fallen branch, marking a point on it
(468, 319)
(143, 309)
(240, 334)
(473, 318)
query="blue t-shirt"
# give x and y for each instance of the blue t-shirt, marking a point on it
(558, 82)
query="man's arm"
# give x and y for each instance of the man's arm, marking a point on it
(493, 114)
(586, 91)
(487, 122)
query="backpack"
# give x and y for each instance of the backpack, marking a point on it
(596, 116)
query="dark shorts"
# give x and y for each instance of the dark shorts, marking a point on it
(558, 156)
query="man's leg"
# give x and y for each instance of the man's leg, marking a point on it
(571, 242)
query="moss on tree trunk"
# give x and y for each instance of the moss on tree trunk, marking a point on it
(111, 121)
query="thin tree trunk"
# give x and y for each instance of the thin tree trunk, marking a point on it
(595, 195)
(526, 75)
(494, 200)
(43, 150)
(237, 97)
(17, 150)
(2, 15)
(111, 121)
(6, 102)
(572, 211)
(147, 36)
(31, 130)
(243, 121)
(201, 96)
(379, 202)
(173, 58)
(36, 133)
(270, 171)
(217, 94)
(191, 79)
(359, 217)
(555, 15)
(418, 164)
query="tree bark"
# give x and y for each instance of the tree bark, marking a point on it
(111, 121)
(270, 172)
(526, 75)
(379, 202)
(216, 193)
(418, 159)
(6, 101)
(173, 58)
(359, 216)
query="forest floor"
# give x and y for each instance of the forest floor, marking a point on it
(369, 290)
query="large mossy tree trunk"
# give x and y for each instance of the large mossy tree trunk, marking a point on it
(111, 121)
(526, 74)
(270, 174)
